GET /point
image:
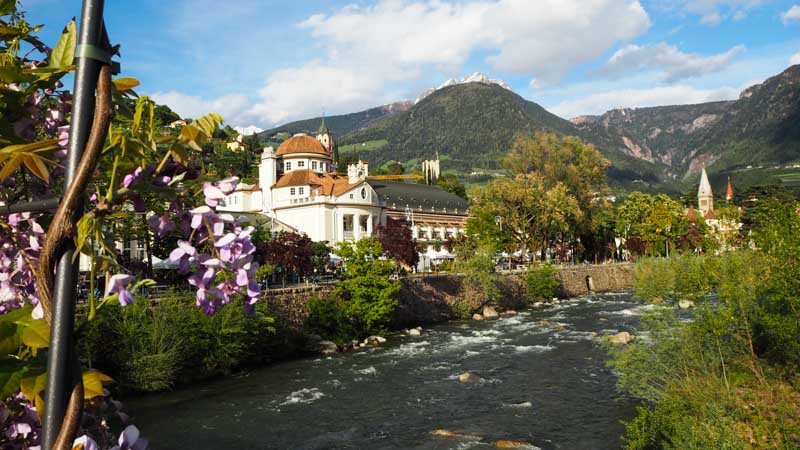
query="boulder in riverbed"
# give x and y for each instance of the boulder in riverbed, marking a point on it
(469, 377)
(455, 434)
(477, 316)
(621, 338)
(513, 444)
(509, 313)
(550, 324)
(414, 332)
(489, 312)
(328, 347)
(685, 304)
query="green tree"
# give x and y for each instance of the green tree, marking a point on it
(522, 211)
(655, 220)
(452, 184)
(366, 294)
(581, 169)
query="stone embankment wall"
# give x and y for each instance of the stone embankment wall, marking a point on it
(575, 280)
(438, 298)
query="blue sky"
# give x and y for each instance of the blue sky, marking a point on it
(266, 62)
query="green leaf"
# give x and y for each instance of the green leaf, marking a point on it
(193, 136)
(125, 83)
(85, 229)
(10, 166)
(37, 167)
(93, 383)
(7, 7)
(12, 371)
(31, 387)
(178, 152)
(36, 333)
(64, 52)
(9, 339)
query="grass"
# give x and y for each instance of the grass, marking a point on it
(363, 146)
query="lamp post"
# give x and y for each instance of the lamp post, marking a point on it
(499, 222)
(666, 238)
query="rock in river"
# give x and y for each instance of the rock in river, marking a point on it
(489, 312)
(414, 332)
(328, 347)
(621, 338)
(477, 316)
(685, 304)
(513, 444)
(468, 377)
(455, 434)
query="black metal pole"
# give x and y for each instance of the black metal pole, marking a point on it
(60, 372)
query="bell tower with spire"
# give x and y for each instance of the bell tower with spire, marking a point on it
(705, 198)
(729, 191)
(325, 137)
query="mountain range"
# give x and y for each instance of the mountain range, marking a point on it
(472, 122)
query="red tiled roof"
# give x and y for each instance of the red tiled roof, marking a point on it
(301, 144)
(329, 184)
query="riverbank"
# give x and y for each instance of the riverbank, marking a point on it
(171, 343)
(429, 299)
(545, 386)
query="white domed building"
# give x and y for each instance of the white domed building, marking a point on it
(299, 190)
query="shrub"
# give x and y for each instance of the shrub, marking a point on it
(478, 269)
(157, 346)
(324, 318)
(655, 280)
(693, 279)
(366, 297)
(541, 282)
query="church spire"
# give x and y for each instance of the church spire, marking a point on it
(705, 198)
(729, 192)
(323, 127)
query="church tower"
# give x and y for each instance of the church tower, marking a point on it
(705, 198)
(325, 137)
(729, 192)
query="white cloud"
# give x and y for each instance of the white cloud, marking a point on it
(371, 49)
(795, 59)
(674, 64)
(234, 108)
(791, 15)
(545, 42)
(315, 88)
(623, 98)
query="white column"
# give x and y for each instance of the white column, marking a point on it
(430, 232)
(339, 226)
(415, 232)
(356, 226)
(369, 225)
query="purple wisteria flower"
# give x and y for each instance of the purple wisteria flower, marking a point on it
(119, 285)
(84, 443)
(183, 255)
(131, 178)
(162, 225)
(20, 243)
(218, 255)
(130, 439)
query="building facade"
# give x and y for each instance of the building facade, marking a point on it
(299, 190)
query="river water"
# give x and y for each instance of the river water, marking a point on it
(544, 385)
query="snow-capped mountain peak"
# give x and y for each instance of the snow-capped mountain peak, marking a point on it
(247, 131)
(476, 77)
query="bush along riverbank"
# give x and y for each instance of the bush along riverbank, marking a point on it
(727, 376)
(170, 343)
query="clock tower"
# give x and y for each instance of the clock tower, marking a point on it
(325, 137)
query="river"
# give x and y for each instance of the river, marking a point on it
(548, 386)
